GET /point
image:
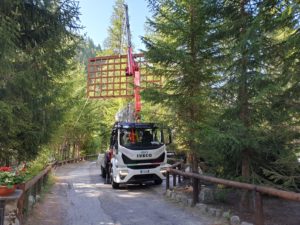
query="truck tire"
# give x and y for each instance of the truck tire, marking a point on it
(113, 183)
(103, 172)
(158, 182)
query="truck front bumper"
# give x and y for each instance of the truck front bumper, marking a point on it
(131, 176)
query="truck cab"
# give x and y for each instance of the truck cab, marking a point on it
(138, 153)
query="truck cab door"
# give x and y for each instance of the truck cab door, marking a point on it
(114, 142)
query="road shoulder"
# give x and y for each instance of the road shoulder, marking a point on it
(50, 209)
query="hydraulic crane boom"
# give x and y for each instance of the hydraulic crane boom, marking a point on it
(121, 76)
(133, 69)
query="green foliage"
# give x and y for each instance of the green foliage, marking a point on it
(283, 172)
(230, 72)
(86, 50)
(176, 43)
(116, 40)
(34, 167)
(37, 42)
(221, 194)
(253, 92)
(86, 125)
(232, 83)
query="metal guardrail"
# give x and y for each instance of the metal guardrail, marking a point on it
(175, 170)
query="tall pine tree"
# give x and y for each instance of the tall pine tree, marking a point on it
(116, 41)
(180, 46)
(256, 133)
(42, 41)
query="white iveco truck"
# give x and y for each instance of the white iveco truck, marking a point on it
(138, 154)
(137, 150)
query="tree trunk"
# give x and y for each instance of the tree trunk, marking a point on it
(7, 161)
(192, 107)
(74, 150)
(243, 104)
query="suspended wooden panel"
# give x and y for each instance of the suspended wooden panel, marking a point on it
(107, 79)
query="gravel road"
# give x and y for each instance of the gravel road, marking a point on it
(80, 197)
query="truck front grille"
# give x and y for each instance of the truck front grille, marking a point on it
(127, 160)
(144, 177)
(143, 166)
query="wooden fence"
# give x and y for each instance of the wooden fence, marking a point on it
(33, 188)
(176, 171)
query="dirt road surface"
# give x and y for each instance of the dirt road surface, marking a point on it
(80, 197)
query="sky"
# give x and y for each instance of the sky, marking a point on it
(96, 14)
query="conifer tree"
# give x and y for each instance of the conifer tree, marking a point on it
(41, 43)
(179, 45)
(116, 40)
(256, 127)
(232, 78)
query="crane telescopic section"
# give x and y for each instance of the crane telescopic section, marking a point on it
(133, 69)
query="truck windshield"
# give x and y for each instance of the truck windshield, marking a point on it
(141, 138)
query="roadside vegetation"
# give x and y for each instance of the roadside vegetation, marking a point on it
(231, 84)
(231, 72)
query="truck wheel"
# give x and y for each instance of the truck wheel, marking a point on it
(158, 182)
(103, 172)
(114, 184)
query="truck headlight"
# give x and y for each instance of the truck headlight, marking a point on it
(163, 170)
(123, 174)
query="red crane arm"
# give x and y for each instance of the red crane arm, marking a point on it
(133, 69)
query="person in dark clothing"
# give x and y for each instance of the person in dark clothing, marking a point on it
(107, 161)
(147, 137)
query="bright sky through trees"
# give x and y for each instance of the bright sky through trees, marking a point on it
(96, 14)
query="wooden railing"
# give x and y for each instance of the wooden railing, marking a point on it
(175, 170)
(33, 188)
(31, 191)
(75, 160)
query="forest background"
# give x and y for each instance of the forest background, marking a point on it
(231, 90)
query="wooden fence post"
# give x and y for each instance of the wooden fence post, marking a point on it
(174, 180)
(258, 207)
(26, 202)
(179, 177)
(34, 194)
(195, 191)
(39, 185)
(168, 180)
(2, 208)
